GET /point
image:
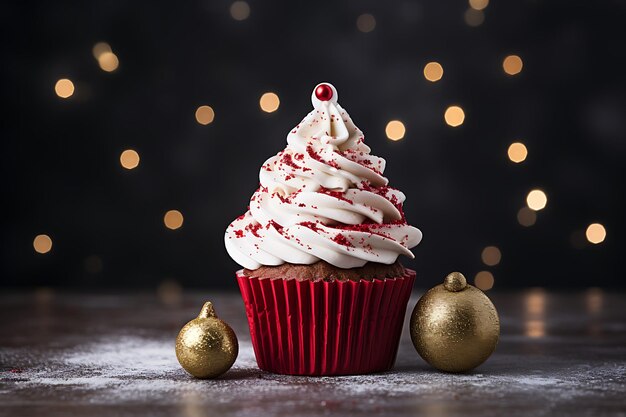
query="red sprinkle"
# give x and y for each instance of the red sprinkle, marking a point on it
(281, 198)
(342, 240)
(337, 194)
(311, 225)
(254, 228)
(275, 225)
(315, 155)
(286, 159)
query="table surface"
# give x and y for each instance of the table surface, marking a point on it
(73, 354)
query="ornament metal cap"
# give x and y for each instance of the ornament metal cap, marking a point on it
(455, 282)
(207, 311)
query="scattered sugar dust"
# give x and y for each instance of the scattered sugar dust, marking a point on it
(128, 369)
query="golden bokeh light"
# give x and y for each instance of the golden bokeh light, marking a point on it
(517, 152)
(474, 17)
(535, 302)
(512, 64)
(108, 61)
(173, 219)
(64, 88)
(491, 256)
(170, 292)
(478, 4)
(536, 200)
(594, 299)
(100, 48)
(526, 217)
(44, 295)
(366, 22)
(240, 10)
(269, 102)
(484, 280)
(535, 307)
(129, 159)
(454, 116)
(535, 328)
(205, 115)
(433, 71)
(595, 233)
(42, 244)
(395, 130)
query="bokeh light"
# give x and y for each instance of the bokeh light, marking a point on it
(594, 299)
(269, 102)
(536, 200)
(64, 88)
(512, 64)
(240, 10)
(43, 295)
(454, 116)
(42, 244)
(100, 48)
(478, 4)
(173, 219)
(517, 152)
(108, 61)
(535, 302)
(205, 115)
(526, 217)
(595, 233)
(395, 130)
(474, 17)
(129, 159)
(535, 306)
(484, 280)
(433, 71)
(170, 292)
(366, 23)
(535, 328)
(491, 256)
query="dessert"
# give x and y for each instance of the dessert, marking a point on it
(323, 288)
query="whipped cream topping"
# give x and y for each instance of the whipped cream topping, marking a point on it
(324, 197)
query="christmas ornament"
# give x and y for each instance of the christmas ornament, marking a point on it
(206, 347)
(324, 92)
(454, 326)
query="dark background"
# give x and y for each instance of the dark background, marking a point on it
(60, 158)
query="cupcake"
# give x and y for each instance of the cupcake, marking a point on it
(319, 246)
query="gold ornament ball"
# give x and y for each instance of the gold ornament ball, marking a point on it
(454, 326)
(206, 347)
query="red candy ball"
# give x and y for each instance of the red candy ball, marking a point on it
(324, 92)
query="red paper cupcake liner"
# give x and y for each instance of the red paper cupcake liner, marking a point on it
(325, 328)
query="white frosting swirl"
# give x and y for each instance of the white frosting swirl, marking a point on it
(322, 198)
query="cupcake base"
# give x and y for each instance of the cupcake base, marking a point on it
(325, 328)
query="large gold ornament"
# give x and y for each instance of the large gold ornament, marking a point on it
(454, 326)
(206, 347)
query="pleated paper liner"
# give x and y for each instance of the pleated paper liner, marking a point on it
(325, 328)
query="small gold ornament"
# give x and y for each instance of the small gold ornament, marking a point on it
(206, 347)
(454, 326)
